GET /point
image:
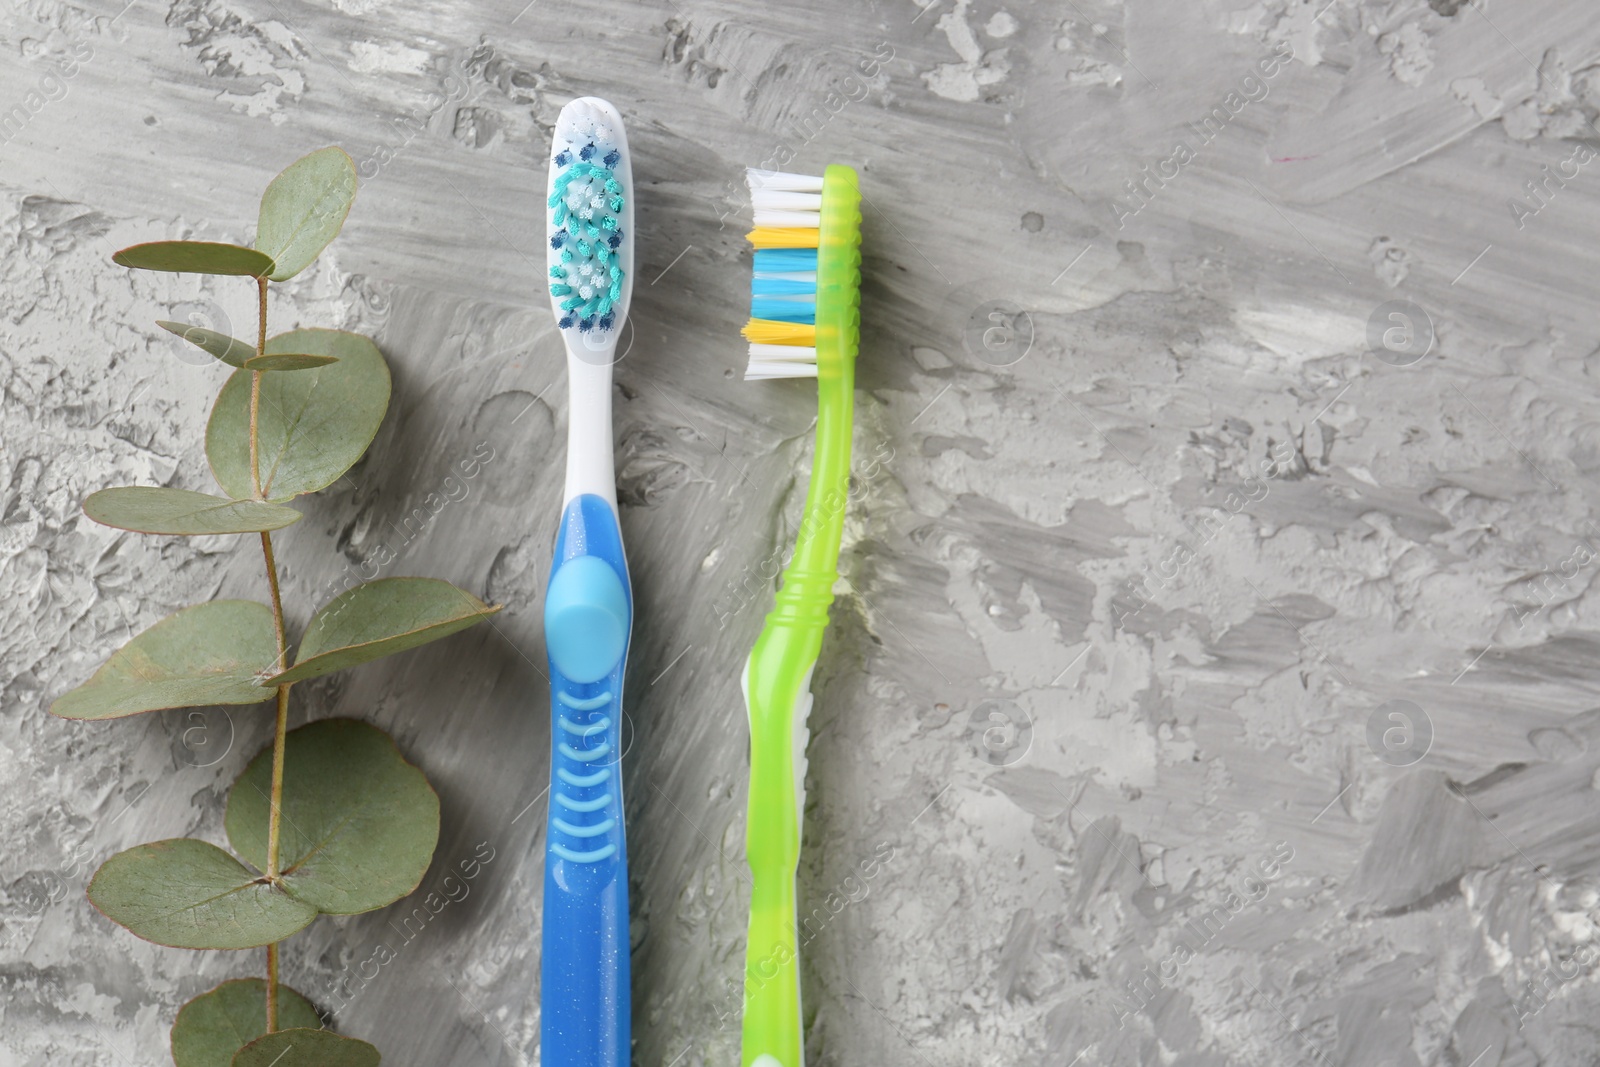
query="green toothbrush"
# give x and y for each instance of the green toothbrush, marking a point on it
(805, 322)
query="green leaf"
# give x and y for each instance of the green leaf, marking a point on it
(208, 654)
(230, 350)
(191, 894)
(154, 510)
(306, 1048)
(196, 257)
(288, 361)
(378, 619)
(312, 426)
(304, 208)
(213, 1026)
(359, 823)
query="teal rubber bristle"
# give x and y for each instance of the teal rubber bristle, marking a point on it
(586, 204)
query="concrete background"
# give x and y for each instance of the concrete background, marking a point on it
(1212, 672)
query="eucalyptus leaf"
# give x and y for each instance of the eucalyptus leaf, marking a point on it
(359, 823)
(312, 426)
(288, 361)
(155, 510)
(304, 208)
(191, 894)
(209, 654)
(380, 618)
(230, 350)
(215, 1025)
(306, 1048)
(196, 257)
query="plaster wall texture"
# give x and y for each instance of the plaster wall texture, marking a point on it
(1160, 518)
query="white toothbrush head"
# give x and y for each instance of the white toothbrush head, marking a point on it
(590, 219)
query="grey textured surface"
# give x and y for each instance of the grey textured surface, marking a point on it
(1103, 767)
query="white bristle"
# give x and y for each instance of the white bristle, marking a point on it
(778, 180)
(789, 219)
(781, 361)
(756, 372)
(778, 200)
(783, 354)
(788, 275)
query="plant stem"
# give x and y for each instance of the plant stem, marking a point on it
(255, 385)
(281, 727)
(277, 607)
(280, 731)
(272, 987)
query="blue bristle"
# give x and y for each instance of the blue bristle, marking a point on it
(586, 325)
(563, 158)
(607, 321)
(785, 260)
(612, 157)
(783, 310)
(615, 239)
(781, 287)
(586, 152)
(558, 239)
(565, 322)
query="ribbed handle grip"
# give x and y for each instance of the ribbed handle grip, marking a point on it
(584, 968)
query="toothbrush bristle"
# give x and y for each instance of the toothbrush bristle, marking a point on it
(783, 304)
(588, 205)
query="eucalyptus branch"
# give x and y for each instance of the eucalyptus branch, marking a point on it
(339, 782)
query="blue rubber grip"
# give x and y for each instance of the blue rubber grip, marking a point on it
(583, 973)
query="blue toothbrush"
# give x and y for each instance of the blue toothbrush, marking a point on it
(588, 608)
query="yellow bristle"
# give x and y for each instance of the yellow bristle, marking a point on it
(784, 237)
(771, 332)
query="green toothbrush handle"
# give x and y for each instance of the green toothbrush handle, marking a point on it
(772, 977)
(778, 693)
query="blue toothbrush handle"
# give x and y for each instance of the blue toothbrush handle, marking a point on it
(583, 973)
